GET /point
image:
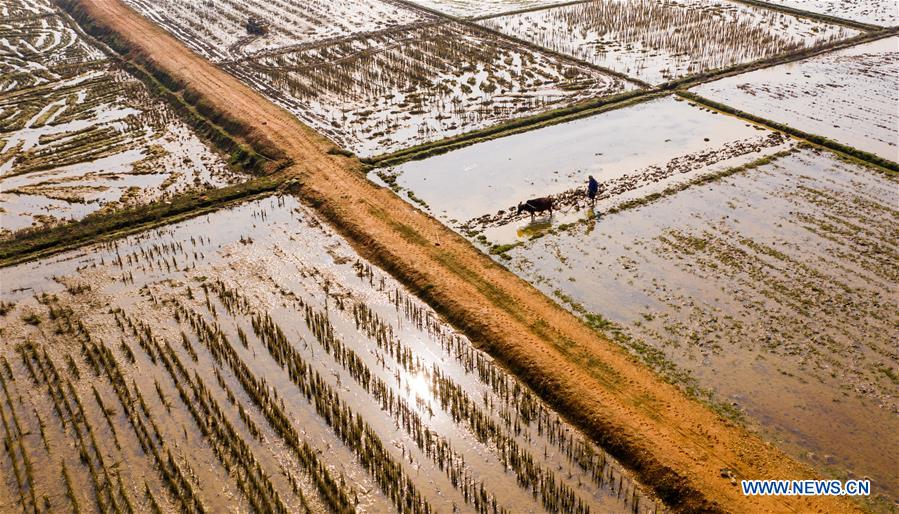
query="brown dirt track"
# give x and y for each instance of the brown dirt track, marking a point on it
(676, 445)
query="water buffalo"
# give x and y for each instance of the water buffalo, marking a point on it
(536, 205)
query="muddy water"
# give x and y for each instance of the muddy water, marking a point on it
(474, 8)
(632, 152)
(78, 135)
(812, 95)
(275, 318)
(876, 12)
(660, 41)
(773, 288)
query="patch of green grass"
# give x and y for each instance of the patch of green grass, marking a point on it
(341, 152)
(888, 371)
(416, 199)
(502, 249)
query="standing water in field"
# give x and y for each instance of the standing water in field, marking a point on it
(657, 41)
(769, 288)
(633, 152)
(79, 135)
(268, 366)
(813, 95)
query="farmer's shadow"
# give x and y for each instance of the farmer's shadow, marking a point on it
(591, 219)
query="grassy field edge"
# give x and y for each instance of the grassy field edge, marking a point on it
(106, 226)
(821, 141)
(253, 155)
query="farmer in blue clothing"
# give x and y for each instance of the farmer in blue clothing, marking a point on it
(592, 189)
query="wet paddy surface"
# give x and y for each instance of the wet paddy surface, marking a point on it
(384, 92)
(268, 367)
(771, 288)
(876, 12)
(78, 135)
(632, 152)
(765, 289)
(657, 41)
(813, 95)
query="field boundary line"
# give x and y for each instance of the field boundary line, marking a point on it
(528, 9)
(798, 55)
(516, 126)
(846, 151)
(810, 14)
(312, 45)
(109, 226)
(526, 44)
(28, 17)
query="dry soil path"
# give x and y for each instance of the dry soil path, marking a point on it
(675, 444)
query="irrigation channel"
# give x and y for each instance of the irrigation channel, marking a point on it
(250, 359)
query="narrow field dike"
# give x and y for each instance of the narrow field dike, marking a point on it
(658, 41)
(867, 122)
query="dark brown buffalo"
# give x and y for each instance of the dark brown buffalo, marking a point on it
(536, 205)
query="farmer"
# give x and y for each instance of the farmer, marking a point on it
(592, 189)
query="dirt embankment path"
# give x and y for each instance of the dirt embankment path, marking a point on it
(676, 445)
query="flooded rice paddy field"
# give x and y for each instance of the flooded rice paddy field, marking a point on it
(773, 288)
(876, 12)
(409, 78)
(218, 30)
(79, 135)
(384, 92)
(475, 8)
(763, 287)
(850, 96)
(38, 47)
(660, 40)
(633, 151)
(250, 359)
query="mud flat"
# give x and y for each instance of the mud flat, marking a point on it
(78, 135)
(474, 8)
(218, 30)
(253, 360)
(812, 95)
(876, 12)
(772, 288)
(634, 152)
(668, 39)
(381, 93)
